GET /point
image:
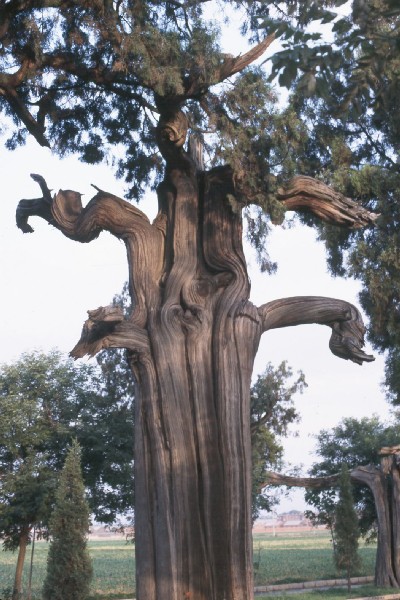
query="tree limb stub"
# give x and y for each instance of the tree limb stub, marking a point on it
(348, 330)
(107, 328)
(231, 66)
(330, 206)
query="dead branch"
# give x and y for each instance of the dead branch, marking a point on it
(347, 339)
(107, 328)
(307, 193)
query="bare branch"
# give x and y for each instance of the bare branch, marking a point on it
(330, 206)
(21, 111)
(317, 483)
(107, 328)
(348, 330)
(231, 66)
(362, 475)
(65, 211)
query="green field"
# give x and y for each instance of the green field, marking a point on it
(287, 558)
(298, 557)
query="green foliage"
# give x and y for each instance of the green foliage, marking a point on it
(98, 72)
(272, 411)
(45, 401)
(353, 442)
(69, 567)
(346, 528)
(347, 92)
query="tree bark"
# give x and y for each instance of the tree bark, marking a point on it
(23, 544)
(192, 338)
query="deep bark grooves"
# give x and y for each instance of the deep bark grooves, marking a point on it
(180, 331)
(395, 513)
(204, 399)
(377, 482)
(235, 341)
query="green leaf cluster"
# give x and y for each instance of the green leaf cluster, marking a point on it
(272, 412)
(46, 401)
(346, 92)
(353, 442)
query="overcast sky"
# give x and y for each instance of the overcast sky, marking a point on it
(49, 282)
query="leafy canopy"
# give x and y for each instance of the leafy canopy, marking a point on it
(353, 442)
(45, 401)
(347, 91)
(272, 411)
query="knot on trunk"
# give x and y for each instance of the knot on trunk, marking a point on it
(172, 129)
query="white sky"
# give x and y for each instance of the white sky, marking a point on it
(49, 282)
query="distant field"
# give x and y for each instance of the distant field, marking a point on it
(113, 565)
(303, 556)
(288, 557)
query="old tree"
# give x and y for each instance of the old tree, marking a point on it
(133, 78)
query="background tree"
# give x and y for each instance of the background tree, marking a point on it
(45, 401)
(69, 566)
(353, 442)
(368, 447)
(137, 79)
(375, 471)
(272, 410)
(346, 528)
(347, 90)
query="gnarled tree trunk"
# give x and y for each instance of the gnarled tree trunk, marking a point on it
(192, 338)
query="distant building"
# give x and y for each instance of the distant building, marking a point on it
(293, 518)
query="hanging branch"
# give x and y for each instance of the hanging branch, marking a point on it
(343, 318)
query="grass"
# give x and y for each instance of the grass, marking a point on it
(291, 558)
(113, 566)
(287, 558)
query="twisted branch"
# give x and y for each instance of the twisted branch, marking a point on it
(347, 339)
(330, 206)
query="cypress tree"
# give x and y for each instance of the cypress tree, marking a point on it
(69, 568)
(346, 528)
